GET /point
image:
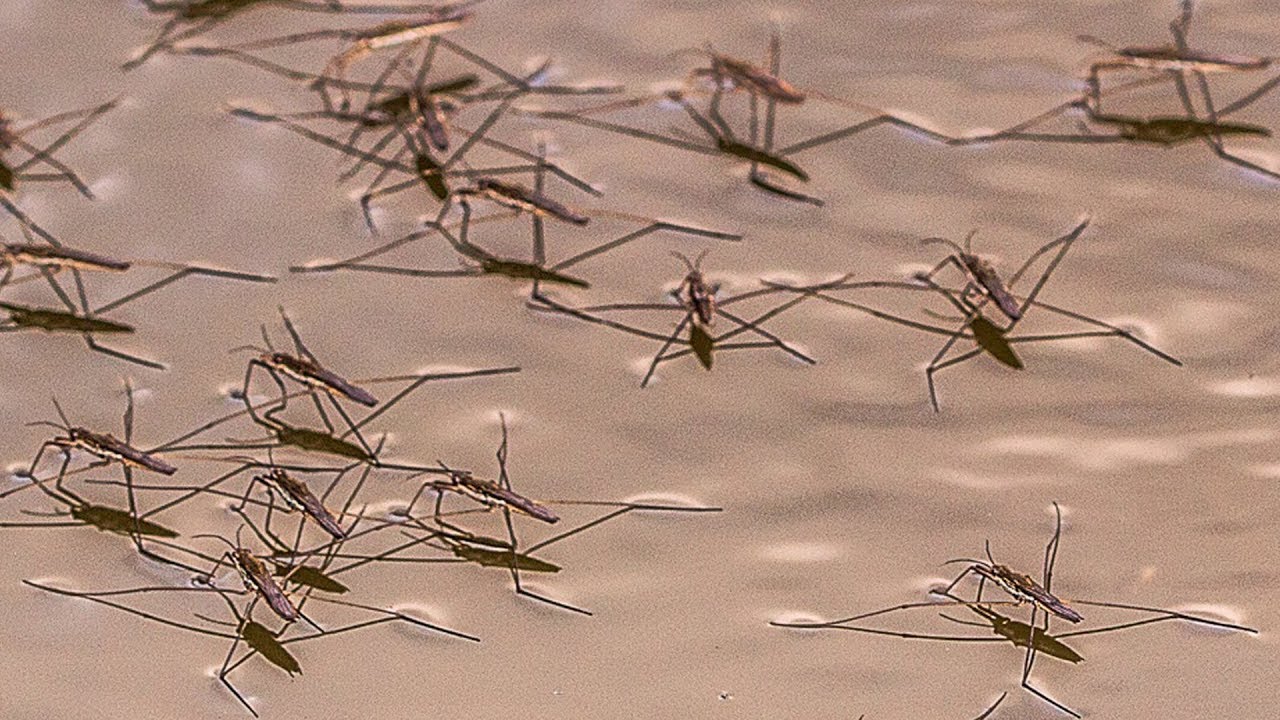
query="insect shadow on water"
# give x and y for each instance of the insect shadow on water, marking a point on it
(262, 580)
(982, 282)
(106, 449)
(515, 200)
(467, 546)
(424, 171)
(1174, 64)
(1034, 638)
(191, 18)
(309, 440)
(304, 368)
(697, 301)
(1174, 61)
(77, 315)
(729, 75)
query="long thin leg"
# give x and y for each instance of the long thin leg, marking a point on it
(1111, 329)
(1029, 663)
(515, 572)
(1051, 550)
(992, 708)
(657, 358)
(754, 327)
(652, 227)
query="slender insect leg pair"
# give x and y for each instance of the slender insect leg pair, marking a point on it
(742, 326)
(1050, 559)
(280, 405)
(45, 155)
(505, 481)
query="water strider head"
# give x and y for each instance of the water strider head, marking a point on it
(694, 293)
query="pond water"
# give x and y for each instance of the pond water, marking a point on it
(841, 490)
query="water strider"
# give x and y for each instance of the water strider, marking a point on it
(1177, 60)
(980, 272)
(1032, 636)
(77, 315)
(696, 300)
(758, 145)
(498, 494)
(303, 367)
(987, 336)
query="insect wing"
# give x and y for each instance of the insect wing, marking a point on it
(138, 457)
(325, 519)
(503, 496)
(338, 384)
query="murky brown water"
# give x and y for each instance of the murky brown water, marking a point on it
(842, 491)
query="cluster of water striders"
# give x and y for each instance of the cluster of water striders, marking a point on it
(413, 131)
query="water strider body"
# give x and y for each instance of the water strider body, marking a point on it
(298, 497)
(257, 576)
(395, 33)
(981, 273)
(694, 293)
(492, 494)
(108, 447)
(750, 77)
(1024, 588)
(1170, 57)
(310, 373)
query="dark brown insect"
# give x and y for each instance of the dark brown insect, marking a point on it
(727, 70)
(297, 496)
(257, 576)
(694, 293)
(492, 494)
(309, 372)
(980, 273)
(108, 447)
(58, 258)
